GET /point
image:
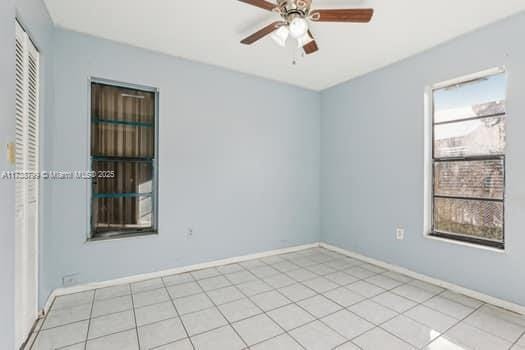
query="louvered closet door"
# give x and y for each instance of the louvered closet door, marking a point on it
(27, 151)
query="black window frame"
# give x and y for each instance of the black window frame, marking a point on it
(498, 157)
(127, 233)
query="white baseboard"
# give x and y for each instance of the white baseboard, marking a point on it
(447, 285)
(146, 276)
(135, 278)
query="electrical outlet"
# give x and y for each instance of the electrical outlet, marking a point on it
(400, 233)
(189, 232)
(70, 280)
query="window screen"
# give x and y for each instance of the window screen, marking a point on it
(469, 121)
(123, 158)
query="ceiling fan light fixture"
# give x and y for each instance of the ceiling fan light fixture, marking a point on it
(295, 18)
(281, 35)
(305, 39)
(298, 27)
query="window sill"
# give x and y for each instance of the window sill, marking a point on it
(466, 244)
(127, 236)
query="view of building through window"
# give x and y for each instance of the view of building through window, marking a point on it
(469, 160)
(123, 159)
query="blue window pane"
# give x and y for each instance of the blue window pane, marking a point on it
(478, 98)
(476, 137)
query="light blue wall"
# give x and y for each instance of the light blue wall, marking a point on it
(7, 188)
(239, 161)
(372, 163)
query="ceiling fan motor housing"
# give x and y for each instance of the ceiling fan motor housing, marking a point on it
(289, 9)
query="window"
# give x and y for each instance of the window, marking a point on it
(123, 160)
(468, 159)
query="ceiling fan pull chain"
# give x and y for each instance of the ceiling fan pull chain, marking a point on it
(298, 54)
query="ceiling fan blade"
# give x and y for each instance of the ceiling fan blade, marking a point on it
(262, 33)
(342, 15)
(311, 46)
(260, 3)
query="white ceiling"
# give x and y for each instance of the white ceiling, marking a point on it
(210, 30)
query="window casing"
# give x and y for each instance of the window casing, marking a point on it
(123, 160)
(468, 159)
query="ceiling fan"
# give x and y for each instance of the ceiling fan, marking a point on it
(295, 15)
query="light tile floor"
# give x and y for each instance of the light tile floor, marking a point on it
(313, 299)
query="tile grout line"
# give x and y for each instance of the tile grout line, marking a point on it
(518, 340)
(490, 333)
(273, 288)
(222, 314)
(40, 328)
(178, 315)
(89, 321)
(346, 308)
(380, 325)
(322, 294)
(422, 303)
(315, 318)
(257, 278)
(365, 279)
(457, 323)
(249, 299)
(317, 262)
(134, 316)
(368, 299)
(267, 314)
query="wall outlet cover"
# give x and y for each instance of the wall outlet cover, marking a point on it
(70, 280)
(400, 233)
